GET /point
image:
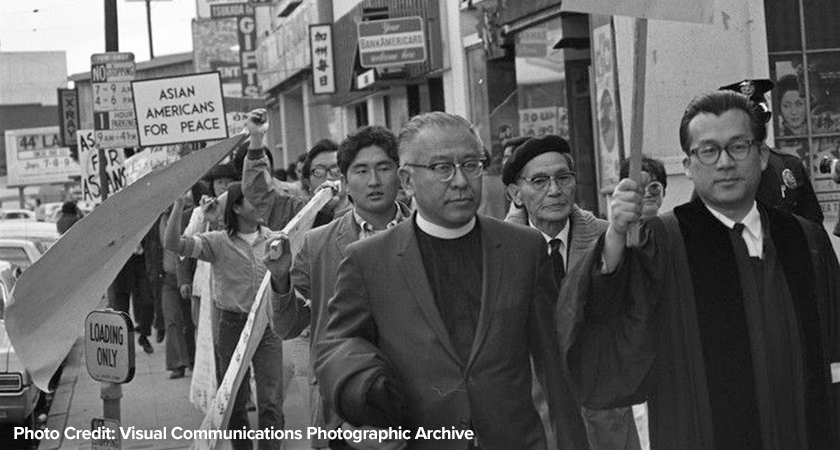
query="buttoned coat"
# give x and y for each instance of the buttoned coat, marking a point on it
(384, 312)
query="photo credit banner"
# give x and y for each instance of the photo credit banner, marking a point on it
(180, 109)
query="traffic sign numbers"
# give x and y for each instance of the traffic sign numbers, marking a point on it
(113, 100)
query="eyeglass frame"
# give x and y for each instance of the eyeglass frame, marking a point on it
(454, 168)
(720, 149)
(569, 175)
(333, 171)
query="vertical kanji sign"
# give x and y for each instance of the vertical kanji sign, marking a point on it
(321, 46)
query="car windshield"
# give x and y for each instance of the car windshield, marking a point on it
(16, 256)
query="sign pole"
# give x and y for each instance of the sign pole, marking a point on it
(637, 124)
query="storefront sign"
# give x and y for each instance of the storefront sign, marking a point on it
(247, 29)
(68, 116)
(231, 10)
(36, 156)
(323, 70)
(700, 11)
(205, 7)
(391, 42)
(180, 109)
(111, 75)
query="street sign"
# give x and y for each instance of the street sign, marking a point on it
(111, 75)
(68, 116)
(109, 346)
(180, 109)
(105, 434)
(391, 42)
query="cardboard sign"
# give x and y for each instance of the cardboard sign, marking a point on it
(50, 300)
(180, 109)
(89, 167)
(109, 346)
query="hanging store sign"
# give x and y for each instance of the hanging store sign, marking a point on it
(323, 67)
(392, 42)
(68, 116)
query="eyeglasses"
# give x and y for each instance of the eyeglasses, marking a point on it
(445, 171)
(321, 172)
(654, 189)
(709, 154)
(541, 182)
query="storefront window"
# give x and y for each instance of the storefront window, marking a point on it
(805, 64)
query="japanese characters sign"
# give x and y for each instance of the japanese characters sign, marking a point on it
(391, 42)
(323, 70)
(180, 109)
(113, 103)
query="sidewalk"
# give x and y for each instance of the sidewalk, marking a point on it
(151, 401)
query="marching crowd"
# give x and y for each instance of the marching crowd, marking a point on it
(544, 330)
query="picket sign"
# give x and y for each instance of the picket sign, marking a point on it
(219, 414)
(203, 381)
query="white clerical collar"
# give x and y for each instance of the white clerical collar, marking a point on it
(440, 232)
(752, 233)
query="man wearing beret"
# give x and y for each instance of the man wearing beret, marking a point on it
(540, 179)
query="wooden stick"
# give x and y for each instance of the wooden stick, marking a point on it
(219, 413)
(638, 120)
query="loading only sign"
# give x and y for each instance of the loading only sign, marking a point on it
(113, 102)
(109, 346)
(180, 109)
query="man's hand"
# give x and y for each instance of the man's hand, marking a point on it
(211, 208)
(337, 193)
(373, 444)
(625, 209)
(257, 126)
(278, 261)
(186, 291)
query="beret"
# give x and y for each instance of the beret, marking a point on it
(529, 150)
(221, 171)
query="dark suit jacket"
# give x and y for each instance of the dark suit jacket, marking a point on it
(384, 314)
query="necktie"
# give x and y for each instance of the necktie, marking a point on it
(557, 260)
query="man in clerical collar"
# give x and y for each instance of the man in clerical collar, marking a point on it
(725, 315)
(368, 159)
(434, 323)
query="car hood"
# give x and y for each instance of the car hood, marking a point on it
(9, 361)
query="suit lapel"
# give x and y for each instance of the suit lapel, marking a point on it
(491, 273)
(414, 274)
(346, 234)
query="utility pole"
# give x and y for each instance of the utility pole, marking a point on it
(149, 24)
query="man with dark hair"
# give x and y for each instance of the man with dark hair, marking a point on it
(368, 160)
(655, 188)
(435, 323)
(726, 315)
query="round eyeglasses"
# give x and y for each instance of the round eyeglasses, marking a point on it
(541, 182)
(321, 172)
(709, 154)
(654, 189)
(445, 171)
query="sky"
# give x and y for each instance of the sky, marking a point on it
(78, 28)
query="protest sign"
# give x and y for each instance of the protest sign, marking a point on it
(179, 109)
(49, 303)
(89, 167)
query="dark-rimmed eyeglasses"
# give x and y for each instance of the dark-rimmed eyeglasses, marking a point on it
(709, 154)
(541, 182)
(445, 171)
(321, 172)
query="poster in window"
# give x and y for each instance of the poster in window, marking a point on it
(789, 97)
(824, 90)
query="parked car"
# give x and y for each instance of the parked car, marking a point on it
(43, 234)
(17, 214)
(18, 395)
(21, 253)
